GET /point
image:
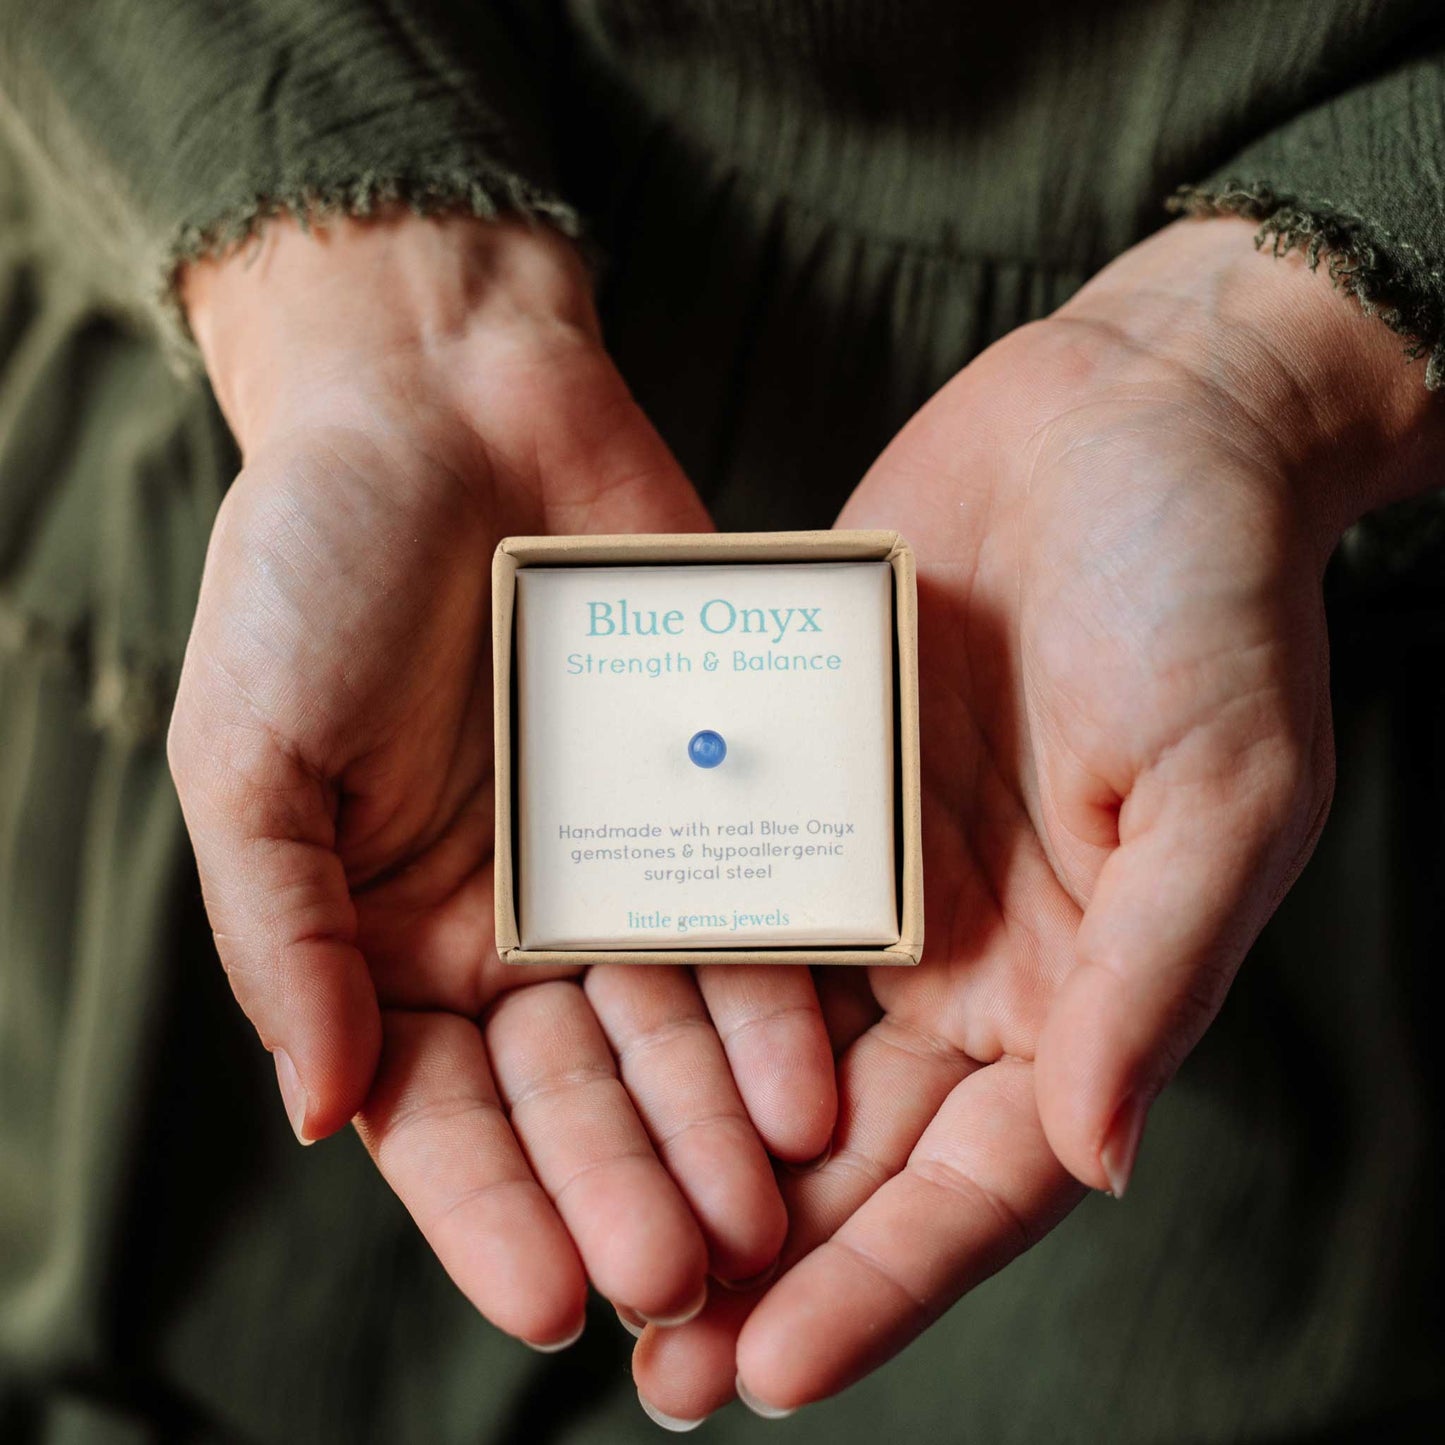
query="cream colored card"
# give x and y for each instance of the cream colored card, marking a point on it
(625, 841)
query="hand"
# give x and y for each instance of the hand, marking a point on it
(405, 393)
(1122, 515)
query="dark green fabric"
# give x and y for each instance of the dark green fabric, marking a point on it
(811, 215)
(1357, 178)
(175, 128)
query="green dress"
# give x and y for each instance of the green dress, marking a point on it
(808, 214)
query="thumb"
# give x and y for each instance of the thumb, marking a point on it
(602, 467)
(1174, 910)
(280, 908)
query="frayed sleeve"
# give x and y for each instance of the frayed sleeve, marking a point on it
(176, 127)
(1358, 183)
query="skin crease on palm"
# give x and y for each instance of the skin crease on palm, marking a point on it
(1121, 516)
(406, 392)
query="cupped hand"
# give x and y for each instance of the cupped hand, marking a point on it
(406, 392)
(1121, 517)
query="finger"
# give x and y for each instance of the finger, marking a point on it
(849, 1008)
(429, 932)
(777, 1045)
(1200, 866)
(602, 467)
(981, 1186)
(279, 905)
(685, 1374)
(589, 1150)
(677, 1075)
(435, 1127)
(890, 1085)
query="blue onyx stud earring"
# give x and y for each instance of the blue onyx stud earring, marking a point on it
(707, 748)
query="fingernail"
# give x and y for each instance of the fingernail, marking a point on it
(557, 1345)
(808, 1165)
(1121, 1147)
(632, 1322)
(293, 1094)
(757, 1406)
(752, 1281)
(668, 1422)
(670, 1322)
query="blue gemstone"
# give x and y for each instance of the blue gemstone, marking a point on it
(707, 748)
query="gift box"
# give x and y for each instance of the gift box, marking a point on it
(707, 749)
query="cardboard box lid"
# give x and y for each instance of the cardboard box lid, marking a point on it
(698, 547)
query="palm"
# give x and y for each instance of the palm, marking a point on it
(338, 683)
(1065, 668)
(1124, 758)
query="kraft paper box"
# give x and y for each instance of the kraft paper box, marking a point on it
(707, 749)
